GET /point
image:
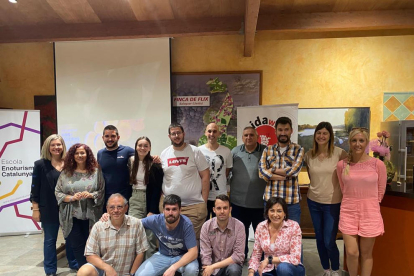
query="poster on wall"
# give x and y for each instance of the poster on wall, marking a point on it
(19, 149)
(201, 98)
(341, 119)
(263, 119)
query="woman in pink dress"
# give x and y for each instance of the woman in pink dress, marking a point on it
(362, 179)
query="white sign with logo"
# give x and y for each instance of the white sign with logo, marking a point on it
(191, 101)
(19, 149)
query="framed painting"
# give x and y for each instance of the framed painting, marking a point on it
(201, 98)
(341, 119)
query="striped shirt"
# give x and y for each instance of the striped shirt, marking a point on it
(118, 248)
(291, 161)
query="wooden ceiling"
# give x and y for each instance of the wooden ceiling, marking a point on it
(64, 20)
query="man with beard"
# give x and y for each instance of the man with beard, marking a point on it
(178, 245)
(186, 174)
(222, 242)
(220, 160)
(113, 160)
(280, 165)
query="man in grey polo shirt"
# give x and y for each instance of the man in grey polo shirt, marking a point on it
(246, 188)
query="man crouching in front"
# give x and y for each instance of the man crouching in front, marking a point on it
(116, 246)
(176, 236)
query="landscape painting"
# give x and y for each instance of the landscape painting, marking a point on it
(341, 119)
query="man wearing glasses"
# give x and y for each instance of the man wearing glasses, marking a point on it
(186, 174)
(116, 246)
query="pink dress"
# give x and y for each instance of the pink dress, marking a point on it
(363, 189)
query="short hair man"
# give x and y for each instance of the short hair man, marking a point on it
(246, 188)
(280, 165)
(113, 160)
(103, 253)
(186, 174)
(222, 242)
(178, 245)
(220, 160)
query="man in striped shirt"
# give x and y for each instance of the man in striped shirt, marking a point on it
(280, 165)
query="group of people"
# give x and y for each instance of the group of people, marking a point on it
(171, 213)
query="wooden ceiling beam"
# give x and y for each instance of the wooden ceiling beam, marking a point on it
(337, 21)
(121, 30)
(312, 22)
(250, 23)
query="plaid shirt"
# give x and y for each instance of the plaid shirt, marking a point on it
(291, 161)
(117, 248)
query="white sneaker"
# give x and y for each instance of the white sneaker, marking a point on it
(327, 273)
(335, 273)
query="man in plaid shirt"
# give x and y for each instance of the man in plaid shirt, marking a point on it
(116, 246)
(280, 165)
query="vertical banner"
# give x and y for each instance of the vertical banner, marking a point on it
(19, 149)
(263, 119)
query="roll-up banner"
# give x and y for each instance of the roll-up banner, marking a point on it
(263, 119)
(19, 149)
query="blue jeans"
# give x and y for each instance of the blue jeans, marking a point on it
(231, 270)
(78, 237)
(285, 269)
(325, 219)
(247, 216)
(158, 264)
(50, 231)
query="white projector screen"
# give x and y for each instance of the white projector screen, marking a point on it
(125, 83)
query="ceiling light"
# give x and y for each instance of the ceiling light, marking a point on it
(13, 1)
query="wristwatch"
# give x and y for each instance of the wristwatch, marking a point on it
(270, 259)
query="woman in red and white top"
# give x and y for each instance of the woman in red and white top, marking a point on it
(280, 239)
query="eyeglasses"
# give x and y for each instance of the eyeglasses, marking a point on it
(178, 133)
(119, 207)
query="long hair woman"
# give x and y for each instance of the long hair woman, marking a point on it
(146, 180)
(80, 194)
(362, 179)
(46, 172)
(324, 195)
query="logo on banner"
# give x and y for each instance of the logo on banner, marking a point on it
(191, 101)
(266, 130)
(177, 161)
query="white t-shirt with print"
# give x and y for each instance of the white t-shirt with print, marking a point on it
(181, 173)
(219, 160)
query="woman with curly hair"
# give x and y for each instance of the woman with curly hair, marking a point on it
(80, 194)
(362, 179)
(146, 180)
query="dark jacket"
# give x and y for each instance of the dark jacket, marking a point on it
(154, 188)
(44, 180)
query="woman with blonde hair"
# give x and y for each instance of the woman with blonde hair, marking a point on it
(324, 195)
(362, 179)
(46, 172)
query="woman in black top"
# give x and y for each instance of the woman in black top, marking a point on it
(44, 205)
